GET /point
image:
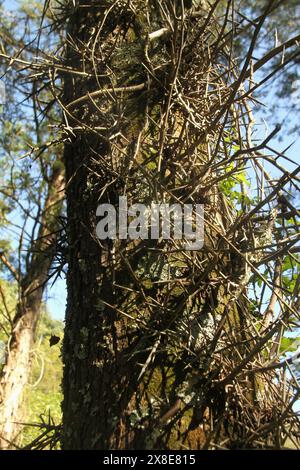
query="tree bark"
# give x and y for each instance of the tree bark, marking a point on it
(16, 370)
(144, 318)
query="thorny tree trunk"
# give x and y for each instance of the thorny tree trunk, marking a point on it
(141, 364)
(15, 373)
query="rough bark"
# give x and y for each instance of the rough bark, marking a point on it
(101, 375)
(16, 370)
(143, 320)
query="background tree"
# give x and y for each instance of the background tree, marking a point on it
(31, 194)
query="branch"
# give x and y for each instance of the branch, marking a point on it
(270, 55)
(10, 267)
(95, 94)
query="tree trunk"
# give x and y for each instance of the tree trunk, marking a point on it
(142, 347)
(16, 370)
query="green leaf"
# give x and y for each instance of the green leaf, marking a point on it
(289, 344)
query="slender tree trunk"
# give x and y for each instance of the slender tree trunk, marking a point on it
(15, 373)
